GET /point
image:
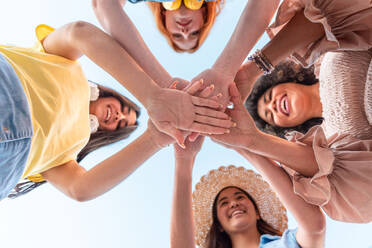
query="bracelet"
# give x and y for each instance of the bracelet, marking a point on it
(262, 62)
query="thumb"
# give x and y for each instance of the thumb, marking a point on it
(177, 136)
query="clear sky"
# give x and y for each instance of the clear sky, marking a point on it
(137, 212)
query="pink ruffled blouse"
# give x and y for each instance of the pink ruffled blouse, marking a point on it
(343, 143)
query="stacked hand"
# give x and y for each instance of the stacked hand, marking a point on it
(181, 110)
(245, 132)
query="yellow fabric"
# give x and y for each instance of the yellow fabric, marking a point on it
(190, 4)
(58, 96)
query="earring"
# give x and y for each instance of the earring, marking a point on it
(94, 91)
(94, 124)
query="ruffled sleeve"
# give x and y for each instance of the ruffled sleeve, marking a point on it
(343, 184)
(347, 25)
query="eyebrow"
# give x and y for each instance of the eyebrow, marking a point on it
(236, 193)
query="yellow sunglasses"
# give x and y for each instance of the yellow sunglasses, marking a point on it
(190, 4)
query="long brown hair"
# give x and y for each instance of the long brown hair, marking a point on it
(97, 140)
(218, 239)
(212, 10)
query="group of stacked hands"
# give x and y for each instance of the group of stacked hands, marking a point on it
(324, 162)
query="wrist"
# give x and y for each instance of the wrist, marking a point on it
(152, 92)
(149, 137)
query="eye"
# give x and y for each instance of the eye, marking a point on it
(240, 197)
(195, 33)
(270, 94)
(176, 36)
(223, 203)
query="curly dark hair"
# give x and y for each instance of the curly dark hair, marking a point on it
(286, 71)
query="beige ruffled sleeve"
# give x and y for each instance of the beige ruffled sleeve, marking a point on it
(343, 184)
(347, 25)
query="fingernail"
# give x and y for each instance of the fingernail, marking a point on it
(183, 146)
(202, 81)
(174, 85)
(211, 86)
(227, 131)
(234, 124)
(219, 95)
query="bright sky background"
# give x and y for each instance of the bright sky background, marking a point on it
(137, 212)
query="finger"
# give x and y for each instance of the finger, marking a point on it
(211, 113)
(198, 101)
(233, 90)
(177, 135)
(195, 87)
(193, 136)
(207, 91)
(207, 129)
(213, 121)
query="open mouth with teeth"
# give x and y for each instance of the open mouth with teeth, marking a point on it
(237, 213)
(283, 106)
(108, 113)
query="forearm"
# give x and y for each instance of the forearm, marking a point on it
(110, 56)
(182, 233)
(113, 170)
(116, 22)
(298, 157)
(247, 32)
(297, 34)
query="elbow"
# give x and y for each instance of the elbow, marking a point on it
(78, 194)
(317, 225)
(79, 30)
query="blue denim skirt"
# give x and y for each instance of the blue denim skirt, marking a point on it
(15, 128)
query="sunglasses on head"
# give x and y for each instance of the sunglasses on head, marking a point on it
(190, 4)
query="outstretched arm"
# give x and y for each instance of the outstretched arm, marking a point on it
(83, 185)
(310, 219)
(116, 22)
(182, 233)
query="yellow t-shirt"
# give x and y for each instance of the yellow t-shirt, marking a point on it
(58, 95)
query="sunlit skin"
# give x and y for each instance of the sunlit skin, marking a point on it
(111, 114)
(290, 104)
(235, 212)
(184, 26)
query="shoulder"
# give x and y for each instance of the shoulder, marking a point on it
(287, 240)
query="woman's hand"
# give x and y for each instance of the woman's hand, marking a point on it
(245, 131)
(171, 110)
(220, 80)
(191, 150)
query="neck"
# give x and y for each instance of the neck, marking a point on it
(316, 110)
(247, 239)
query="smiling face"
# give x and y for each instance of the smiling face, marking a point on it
(111, 114)
(287, 105)
(235, 211)
(184, 26)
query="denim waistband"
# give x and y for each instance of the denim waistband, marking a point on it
(15, 116)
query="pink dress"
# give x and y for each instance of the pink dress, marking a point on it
(343, 143)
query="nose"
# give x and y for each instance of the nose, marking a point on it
(184, 29)
(272, 105)
(120, 116)
(234, 204)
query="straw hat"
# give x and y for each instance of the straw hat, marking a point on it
(270, 208)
